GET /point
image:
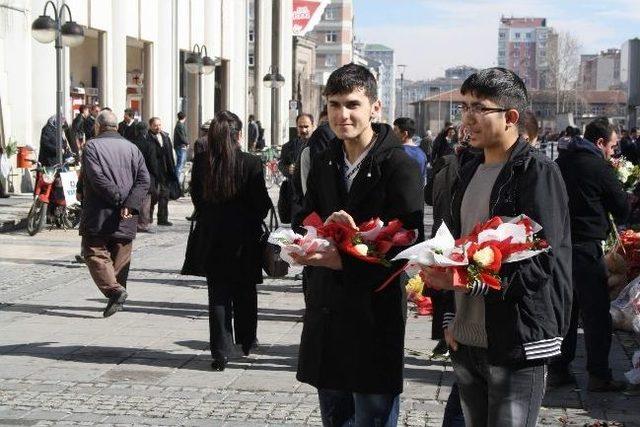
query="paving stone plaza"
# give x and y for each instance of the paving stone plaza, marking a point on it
(62, 363)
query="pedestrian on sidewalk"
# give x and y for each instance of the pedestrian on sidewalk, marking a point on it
(405, 128)
(162, 169)
(127, 127)
(115, 181)
(500, 340)
(229, 193)
(352, 344)
(180, 143)
(594, 193)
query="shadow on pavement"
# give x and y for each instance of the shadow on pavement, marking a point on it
(52, 263)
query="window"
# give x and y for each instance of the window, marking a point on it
(517, 35)
(252, 60)
(331, 37)
(528, 35)
(330, 14)
(251, 36)
(330, 61)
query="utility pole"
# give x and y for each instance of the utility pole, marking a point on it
(402, 67)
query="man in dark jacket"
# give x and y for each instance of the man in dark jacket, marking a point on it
(126, 128)
(89, 122)
(180, 143)
(289, 167)
(352, 343)
(158, 154)
(594, 193)
(629, 147)
(115, 181)
(252, 131)
(78, 129)
(501, 339)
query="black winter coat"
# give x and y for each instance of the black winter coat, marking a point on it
(233, 228)
(527, 319)
(113, 176)
(159, 160)
(353, 337)
(594, 191)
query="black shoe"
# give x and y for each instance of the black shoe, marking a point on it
(166, 223)
(219, 364)
(115, 303)
(559, 378)
(246, 349)
(189, 218)
(599, 385)
(4, 196)
(80, 259)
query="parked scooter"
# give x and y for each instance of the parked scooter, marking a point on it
(54, 198)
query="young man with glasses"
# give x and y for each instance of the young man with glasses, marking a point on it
(501, 340)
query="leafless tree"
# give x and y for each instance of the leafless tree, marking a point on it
(564, 66)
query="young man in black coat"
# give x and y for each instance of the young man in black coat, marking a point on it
(501, 340)
(352, 343)
(594, 193)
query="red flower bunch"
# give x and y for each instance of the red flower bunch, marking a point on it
(370, 242)
(492, 243)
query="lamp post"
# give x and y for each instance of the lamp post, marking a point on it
(45, 30)
(273, 80)
(196, 63)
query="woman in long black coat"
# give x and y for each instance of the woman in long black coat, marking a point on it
(230, 196)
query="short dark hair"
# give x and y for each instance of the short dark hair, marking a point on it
(304, 115)
(82, 108)
(498, 85)
(252, 117)
(181, 115)
(129, 112)
(633, 130)
(600, 127)
(406, 124)
(106, 109)
(349, 78)
(153, 119)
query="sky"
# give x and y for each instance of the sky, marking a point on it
(431, 35)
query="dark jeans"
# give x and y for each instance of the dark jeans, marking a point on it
(160, 198)
(232, 307)
(497, 396)
(343, 408)
(591, 299)
(453, 416)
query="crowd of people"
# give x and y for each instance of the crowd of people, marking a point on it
(350, 168)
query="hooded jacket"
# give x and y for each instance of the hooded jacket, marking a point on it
(528, 317)
(594, 191)
(352, 337)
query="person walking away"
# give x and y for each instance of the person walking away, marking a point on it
(352, 343)
(594, 193)
(115, 181)
(180, 143)
(162, 169)
(405, 128)
(253, 132)
(229, 193)
(500, 340)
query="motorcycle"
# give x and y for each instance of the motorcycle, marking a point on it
(55, 186)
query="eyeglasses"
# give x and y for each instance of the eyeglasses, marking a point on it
(480, 109)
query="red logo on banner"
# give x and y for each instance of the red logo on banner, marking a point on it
(306, 14)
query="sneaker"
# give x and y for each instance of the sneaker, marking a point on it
(598, 385)
(115, 303)
(559, 377)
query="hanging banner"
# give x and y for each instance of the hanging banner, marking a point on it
(306, 14)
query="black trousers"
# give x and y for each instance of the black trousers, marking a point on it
(233, 307)
(591, 301)
(160, 198)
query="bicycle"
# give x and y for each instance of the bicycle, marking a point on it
(272, 175)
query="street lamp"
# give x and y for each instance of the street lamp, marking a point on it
(45, 30)
(196, 63)
(274, 81)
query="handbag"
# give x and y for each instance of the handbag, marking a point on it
(272, 263)
(284, 202)
(194, 257)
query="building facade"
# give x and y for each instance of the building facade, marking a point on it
(601, 71)
(333, 37)
(385, 59)
(133, 56)
(523, 46)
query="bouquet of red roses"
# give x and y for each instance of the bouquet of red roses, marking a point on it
(370, 242)
(479, 256)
